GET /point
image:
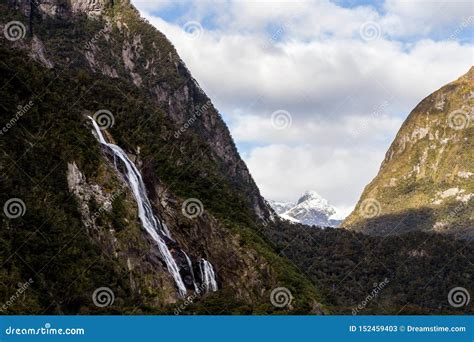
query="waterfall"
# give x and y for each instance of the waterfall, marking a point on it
(208, 275)
(190, 265)
(150, 223)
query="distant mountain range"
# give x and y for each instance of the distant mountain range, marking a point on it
(310, 209)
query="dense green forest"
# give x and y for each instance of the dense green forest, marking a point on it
(419, 268)
(49, 244)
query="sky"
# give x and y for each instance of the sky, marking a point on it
(314, 92)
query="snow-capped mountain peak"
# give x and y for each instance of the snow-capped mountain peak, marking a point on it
(312, 200)
(280, 207)
(310, 194)
(310, 209)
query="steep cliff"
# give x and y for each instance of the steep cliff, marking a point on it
(82, 228)
(426, 181)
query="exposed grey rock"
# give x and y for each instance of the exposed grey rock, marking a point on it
(38, 52)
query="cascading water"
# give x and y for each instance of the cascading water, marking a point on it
(208, 275)
(190, 265)
(152, 225)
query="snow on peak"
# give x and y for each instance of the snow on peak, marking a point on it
(310, 209)
(310, 194)
(280, 207)
(312, 200)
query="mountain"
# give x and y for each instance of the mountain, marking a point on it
(117, 172)
(280, 207)
(426, 181)
(310, 209)
(123, 193)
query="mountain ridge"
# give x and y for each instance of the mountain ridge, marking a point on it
(425, 181)
(310, 209)
(100, 59)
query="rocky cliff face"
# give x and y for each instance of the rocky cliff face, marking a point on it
(99, 58)
(426, 181)
(122, 45)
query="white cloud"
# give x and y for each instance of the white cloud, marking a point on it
(347, 97)
(408, 18)
(152, 5)
(284, 173)
(351, 130)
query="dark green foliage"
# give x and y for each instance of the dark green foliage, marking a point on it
(118, 213)
(420, 268)
(50, 243)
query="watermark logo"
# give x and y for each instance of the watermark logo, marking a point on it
(14, 208)
(14, 30)
(103, 296)
(370, 30)
(281, 297)
(193, 29)
(281, 119)
(104, 118)
(459, 297)
(192, 208)
(370, 208)
(459, 119)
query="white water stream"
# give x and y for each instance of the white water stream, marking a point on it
(208, 275)
(151, 224)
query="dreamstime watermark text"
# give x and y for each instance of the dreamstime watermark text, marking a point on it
(22, 110)
(199, 112)
(378, 287)
(46, 330)
(22, 287)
